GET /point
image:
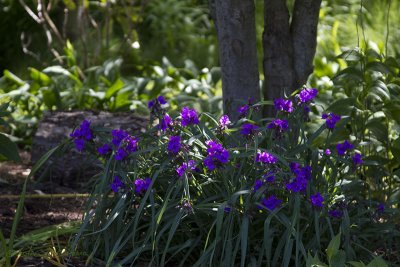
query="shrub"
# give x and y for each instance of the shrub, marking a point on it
(195, 190)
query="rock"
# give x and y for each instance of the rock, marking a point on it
(70, 167)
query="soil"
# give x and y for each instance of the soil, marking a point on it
(38, 212)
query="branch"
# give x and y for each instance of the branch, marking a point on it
(304, 37)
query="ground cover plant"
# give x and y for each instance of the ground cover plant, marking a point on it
(198, 190)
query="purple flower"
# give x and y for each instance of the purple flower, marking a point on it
(189, 116)
(294, 166)
(357, 159)
(335, 213)
(303, 172)
(155, 103)
(317, 200)
(174, 144)
(269, 178)
(331, 120)
(248, 129)
(342, 148)
(257, 185)
(181, 169)
(161, 100)
(141, 185)
(265, 157)
(307, 95)
(118, 136)
(116, 184)
(81, 134)
(120, 154)
(279, 125)
(224, 120)
(150, 104)
(166, 122)
(217, 155)
(380, 208)
(131, 143)
(243, 110)
(79, 144)
(327, 152)
(104, 150)
(298, 184)
(271, 202)
(283, 104)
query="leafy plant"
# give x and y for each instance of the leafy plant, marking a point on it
(198, 191)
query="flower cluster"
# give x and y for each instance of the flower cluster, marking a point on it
(300, 182)
(278, 125)
(217, 155)
(156, 103)
(248, 129)
(243, 110)
(283, 105)
(191, 165)
(174, 144)
(141, 185)
(331, 120)
(342, 148)
(189, 116)
(307, 95)
(271, 202)
(116, 184)
(165, 122)
(81, 134)
(224, 121)
(265, 157)
(104, 150)
(317, 200)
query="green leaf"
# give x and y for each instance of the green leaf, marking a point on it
(378, 66)
(51, 97)
(342, 106)
(39, 77)
(380, 89)
(114, 88)
(377, 262)
(14, 78)
(338, 259)
(357, 264)
(8, 148)
(378, 129)
(333, 247)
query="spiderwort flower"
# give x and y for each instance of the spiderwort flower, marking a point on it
(165, 122)
(116, 184)
(271, 202)
(308, 94)
(343, 147)
(81, 134)
(317, 200)
(181, 169)
(104, 149)
(189, 116)
(217, 155)
(265, 157)
(257, 185)
(174, 144)
(243, 110)
(248, 129)
(156, 103)
(335, 213)
(357, 159)
(224, 120)
(118, 135)
(279, 125)
(331, 119)
(284, 105)
(327, 152)
(380, 208)
(298, 184)
(141, 185)
(120, 154)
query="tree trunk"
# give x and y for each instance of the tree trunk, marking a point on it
(235, 23)
(289, 47)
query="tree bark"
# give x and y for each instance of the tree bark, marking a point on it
(289, 47)
(235, 23)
